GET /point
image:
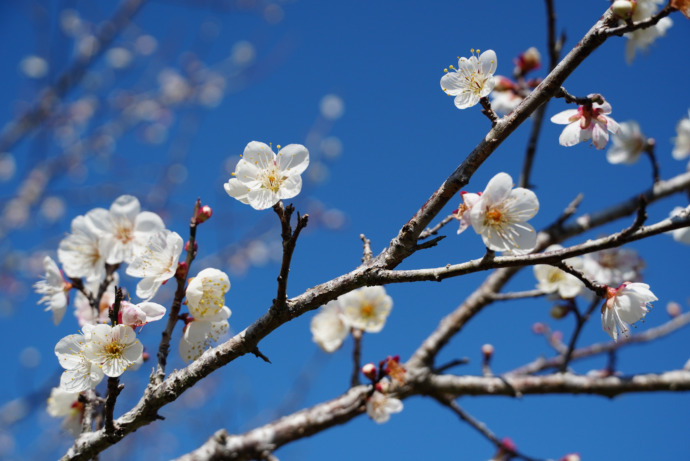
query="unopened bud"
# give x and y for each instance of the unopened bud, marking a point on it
(487, 351)
(145, 356)
(503, 84)
(181, 272)
(527, 61)
(186, 246)
(557, 336)
(383, 386)
(673, 309)
(369, 370)
(558, 311)
(538, 328)
(623, 9)
(204, 213)
(571, 457)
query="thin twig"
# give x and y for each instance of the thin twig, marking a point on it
(630, 27)
(356, 356)
(114, 387)
(581, 320)
(453, 363)
(367, 254)
(428, 232)
(164, 346)
(481, 427)
(488, 111)
(649, 150)
(289, 242)
(517, 295)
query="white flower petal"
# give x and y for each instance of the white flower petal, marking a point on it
(293, 159)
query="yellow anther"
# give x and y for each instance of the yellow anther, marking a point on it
(278, 146)
(445, 70)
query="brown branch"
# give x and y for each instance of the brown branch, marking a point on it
(516, 295)
(367, 254)
(356, 356)
(630, 27)
(581, 320)
(289, 241)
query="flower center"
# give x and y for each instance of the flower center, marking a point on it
(271, 178)
(367, 311)
(555, 276)
(494, 217)
(114, 349)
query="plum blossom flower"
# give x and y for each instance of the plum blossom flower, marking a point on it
(262, 178)
(380, 407)
(624, 306)
(472, 80)
(80, 373)
(585, 123)
(329, 327)
(125, 228)
(366, 308)
(209, 314)
(628, 144)
(613, 266)
(66, 405)
(156, 262)
(462, 214)
(681, 143)
(54, 289)
(136, 315)
(554, 280)
(640, 39)
(82, 306)
(500, 216)
(113, 349)
(82, 253)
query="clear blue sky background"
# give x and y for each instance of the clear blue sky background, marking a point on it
(401, 137)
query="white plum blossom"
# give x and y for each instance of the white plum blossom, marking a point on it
(156, 262)
(136, 315)
(554, 280)
(124, 228)
(500, 216)
(113, 349)
(66, 405)
(329, 327)
(624, 306)
(628, 144)
(681, 235)
(380, 407)
(681, 143)
(209, 314)
(506, 95)
(472, 80)
(462, 214)
(366, 308)
(640, 39)
(54, 289)
(82, 253)
(613, 266)
(262, 178)
(585, 123)
(80, 373)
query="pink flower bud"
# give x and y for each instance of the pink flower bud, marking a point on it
(529, 60)
(186, 246)
(557, 336)
(673, 309)
(204, 213)
(538, 328)
(181, 272)
(571, 457)
(131, 315)
(369, 370)
(487, 351)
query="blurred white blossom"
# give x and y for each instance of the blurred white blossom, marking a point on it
(329, 327)
(366, 308)
(628, 144)
(681, 143)
(55, 290)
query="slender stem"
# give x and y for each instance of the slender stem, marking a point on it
(581, 320)
(289, 242)
(356, 356)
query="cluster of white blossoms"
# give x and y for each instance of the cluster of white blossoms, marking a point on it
(500, 214)
(472, 80)
(365, 309)
(262, 178)
(640, 10)
(554, 280)
(122, 234)
(624, 306)
(585, 123)
(613, 266)
(209, 315)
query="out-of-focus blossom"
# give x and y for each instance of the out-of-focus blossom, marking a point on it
(262, 178)
(640, 39)
(527, 61)
(613, 266)
(332, 107)
(113, 349)
(124, 228)
(173, 86)
(681, 143)
(628, 144)
(54, 289)
(681, 235)
(156, 262)
(554, 280)
(501, 213)
(82, 306)
(366, 308)
(472, 80)
(118, 57)
(462, 214)
(380, 407)
(66, 405)
(80, 373)
(329, 327)
(624, 306)
(209, 314)
(585, 123)
(82, 253)
(34, 66)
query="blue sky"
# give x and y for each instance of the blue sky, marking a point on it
(401, 136)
